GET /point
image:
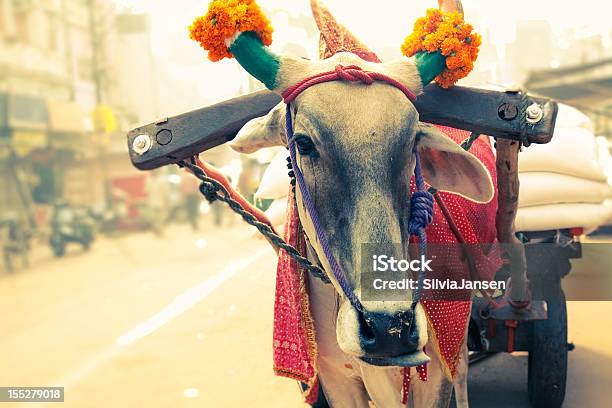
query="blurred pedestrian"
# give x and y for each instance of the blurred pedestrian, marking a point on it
(157, 201)
(192, 199)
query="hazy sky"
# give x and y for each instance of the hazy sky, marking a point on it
(385, 23)
(382, 24)
(374, 16)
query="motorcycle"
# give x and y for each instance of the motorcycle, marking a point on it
(14, 241)
(70, 225)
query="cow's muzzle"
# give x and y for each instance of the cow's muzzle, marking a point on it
(383, 339)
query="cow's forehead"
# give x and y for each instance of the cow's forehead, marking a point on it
(354, 114)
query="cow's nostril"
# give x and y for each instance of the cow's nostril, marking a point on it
(404, 320)
(384, 335)
(366, 328)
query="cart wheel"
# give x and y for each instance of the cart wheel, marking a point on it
(547, 372)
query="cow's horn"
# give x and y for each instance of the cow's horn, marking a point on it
(432, 54)
(241, 30)
(432, 64)
(256, 58)
(450, 5)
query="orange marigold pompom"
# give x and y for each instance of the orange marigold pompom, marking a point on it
(446, 33)
(223, 19)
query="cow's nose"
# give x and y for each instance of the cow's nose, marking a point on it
(388, 335)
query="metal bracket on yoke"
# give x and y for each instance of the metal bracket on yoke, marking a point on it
(498, 114)
(536, 310)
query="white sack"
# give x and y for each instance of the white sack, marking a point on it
(267, 154)
(558, 216)
(605, 158)
(538, 188)
(572, 151)
(608, 205)
(570, 117)
(275, 182)
(277, 213)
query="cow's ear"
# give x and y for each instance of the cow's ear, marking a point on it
(447, 167)
(267, 131)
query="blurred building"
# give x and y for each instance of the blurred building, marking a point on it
(587, 86)
(571, 66)
(532, 49)
(59, 125)
(135, 70)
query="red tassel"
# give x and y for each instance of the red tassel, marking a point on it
(406, 385)
(422, 370)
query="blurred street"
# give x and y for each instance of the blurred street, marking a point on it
(185, 320)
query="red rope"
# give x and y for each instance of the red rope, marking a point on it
(215, 174)
(352, 73)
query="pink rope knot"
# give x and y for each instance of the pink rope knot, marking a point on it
(353, 73)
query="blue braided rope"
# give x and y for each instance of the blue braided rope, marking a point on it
(308, 202)
(421, 215)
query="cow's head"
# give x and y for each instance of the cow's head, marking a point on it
(355, 148)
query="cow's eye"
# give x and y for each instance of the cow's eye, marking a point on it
(304, 145)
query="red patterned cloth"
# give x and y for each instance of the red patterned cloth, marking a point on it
(294, 338)
(476, 222)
